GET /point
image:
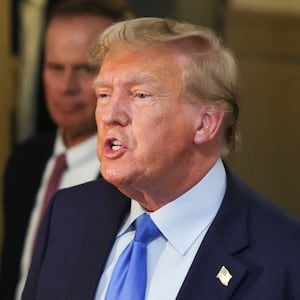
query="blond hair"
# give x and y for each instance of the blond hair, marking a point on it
(209, 74)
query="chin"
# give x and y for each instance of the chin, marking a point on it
(117, 179)
(112, 176)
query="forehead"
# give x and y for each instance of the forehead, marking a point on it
(68, 38)
(83, 27)
(147, 64)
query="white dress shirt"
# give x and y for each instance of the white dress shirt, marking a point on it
(83, 165)
(183, 224)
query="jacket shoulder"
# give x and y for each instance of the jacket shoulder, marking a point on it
(266, 220)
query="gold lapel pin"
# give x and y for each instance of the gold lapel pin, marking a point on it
(224, 276)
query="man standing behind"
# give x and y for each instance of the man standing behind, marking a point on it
(178, 225)
(71, 102)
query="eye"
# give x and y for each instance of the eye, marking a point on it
(141, 95)
(54, 67)
(87, 70)
(103, 95)
(90, 69)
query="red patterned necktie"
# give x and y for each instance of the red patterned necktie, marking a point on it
(53, 184)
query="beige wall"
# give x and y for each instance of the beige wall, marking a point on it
(197, 11)
(265, 36)
(7, 67)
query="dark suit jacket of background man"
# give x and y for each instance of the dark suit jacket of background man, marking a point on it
(257, 243)
(22, 180)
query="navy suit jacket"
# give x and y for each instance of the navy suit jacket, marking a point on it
(253, 239)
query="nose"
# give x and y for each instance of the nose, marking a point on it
(70, 82)
(115, 112)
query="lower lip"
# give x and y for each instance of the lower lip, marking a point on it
(112, 154)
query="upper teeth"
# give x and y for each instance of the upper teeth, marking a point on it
(116, 145)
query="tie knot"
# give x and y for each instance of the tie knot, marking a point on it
(146, 230)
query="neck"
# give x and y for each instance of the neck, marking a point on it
(73, 140)
(155, 195)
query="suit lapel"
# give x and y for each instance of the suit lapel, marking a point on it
(100, 235)
(201, 281)
(226, 237)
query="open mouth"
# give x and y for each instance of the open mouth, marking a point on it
(113, 148)
(115, 145)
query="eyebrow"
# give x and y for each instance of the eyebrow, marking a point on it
(98, 82)
(132, 79)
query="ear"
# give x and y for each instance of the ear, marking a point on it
(208, 124)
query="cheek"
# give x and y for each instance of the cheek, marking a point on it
(88, 99)
(100, 127)
(51, 96)
(99, 148)
(98, 118)
(51, 93)
(91, 106)
(151, 131)
(169, 132)
(50, 82)
(89, 94)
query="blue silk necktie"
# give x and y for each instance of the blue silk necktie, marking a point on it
(129, 277)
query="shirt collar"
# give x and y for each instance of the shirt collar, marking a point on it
(135, 211)
(184, 219)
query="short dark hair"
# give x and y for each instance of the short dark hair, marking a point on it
(116, 10)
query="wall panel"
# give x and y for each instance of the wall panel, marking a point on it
(266, 42)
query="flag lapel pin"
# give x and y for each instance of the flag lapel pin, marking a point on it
(224, 276)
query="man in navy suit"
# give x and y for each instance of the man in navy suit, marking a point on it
(71, 102)
(166, 115)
